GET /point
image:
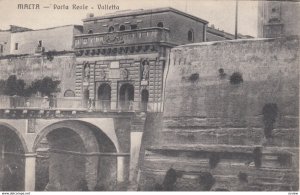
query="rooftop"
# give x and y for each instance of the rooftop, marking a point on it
(50, 28)
(143, 12)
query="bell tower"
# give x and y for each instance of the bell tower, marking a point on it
(270, 23)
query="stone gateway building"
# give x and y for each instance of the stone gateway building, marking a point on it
(145, 105)
(121, 57)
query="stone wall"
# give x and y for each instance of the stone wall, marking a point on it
(32, 67)
(214, 123)
(58, 39)
(5, 42)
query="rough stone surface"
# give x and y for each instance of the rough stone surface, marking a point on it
(32, 67)
(212, 123)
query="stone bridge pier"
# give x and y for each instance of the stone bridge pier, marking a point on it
(69, 154)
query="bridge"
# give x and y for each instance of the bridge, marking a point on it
(67, 147)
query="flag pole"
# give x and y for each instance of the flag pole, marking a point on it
(236, 18)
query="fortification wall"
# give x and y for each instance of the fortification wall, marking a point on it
(31, 67)
(214, 123)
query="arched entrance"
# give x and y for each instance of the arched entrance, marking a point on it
(86, 97)
(144, 100)
(126, 97)
(74, 162)
(104, 97)
(12, 161)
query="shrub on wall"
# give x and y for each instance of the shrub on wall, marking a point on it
(206, 181)
(236, 78)
(13, 86)
(46, 86)
(194, 77)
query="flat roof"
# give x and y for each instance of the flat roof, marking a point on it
(143, 12)
(55, 27)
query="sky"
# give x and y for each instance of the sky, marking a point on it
(221, 13)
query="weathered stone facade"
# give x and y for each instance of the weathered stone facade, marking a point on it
(130, 49)
(217, 122)
(30, 67)
(37, 41)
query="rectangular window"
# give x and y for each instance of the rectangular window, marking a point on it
(16, 46)
(133, 26)
(77, 41)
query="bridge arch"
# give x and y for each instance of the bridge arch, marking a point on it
(74, 145)
(18, 134)
(12, 159)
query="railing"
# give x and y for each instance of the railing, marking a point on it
(17, 102)
(121, 106)
(39, 102)
(146, 35)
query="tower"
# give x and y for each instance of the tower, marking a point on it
(278, 18)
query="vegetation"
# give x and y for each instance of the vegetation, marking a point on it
(13, 86)
(236, 78)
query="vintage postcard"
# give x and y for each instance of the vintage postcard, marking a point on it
(152, 95)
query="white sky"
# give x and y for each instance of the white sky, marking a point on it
(221, 13)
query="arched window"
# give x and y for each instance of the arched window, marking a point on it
(104, 96)
(126, 97)
(86, 97)
(144, 99)
(160, 24)
(111, 29)
(69, 93)
(191, 35)
(90, 31)
(122, 28)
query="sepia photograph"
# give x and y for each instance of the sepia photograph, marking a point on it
(152, 95)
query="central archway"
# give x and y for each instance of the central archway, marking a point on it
(126, 96)
(144, 100)
(72, 157)
(12, 162)
(104, 97)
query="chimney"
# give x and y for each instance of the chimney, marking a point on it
(90, 15)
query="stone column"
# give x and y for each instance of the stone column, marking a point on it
(135, 146)
(30, 159)
(120, 169)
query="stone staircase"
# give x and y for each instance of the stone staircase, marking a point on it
(191, 145)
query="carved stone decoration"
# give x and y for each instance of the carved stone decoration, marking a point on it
(275, 12)
(31, 125)
(113, 39)
(124, 74)
(102, 75)
(145, 70)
